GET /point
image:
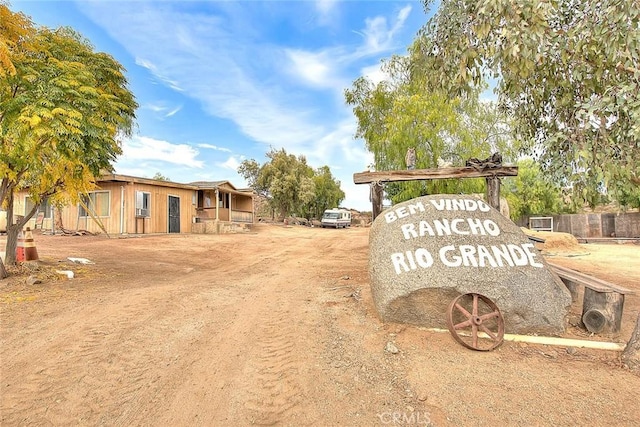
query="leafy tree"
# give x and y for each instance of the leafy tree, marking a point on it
(327, 193)
(629, 198)
(159, 177)
(250, 170)
(398, 113)
(63, 107)
(568, 72)
(530, 193)
(14, 29)
(291, 186)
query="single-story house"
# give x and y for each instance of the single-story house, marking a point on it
(130, 205)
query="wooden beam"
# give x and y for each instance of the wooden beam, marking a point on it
(440, 173)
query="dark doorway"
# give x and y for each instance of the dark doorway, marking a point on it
(174, 214)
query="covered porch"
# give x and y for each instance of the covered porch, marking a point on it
(220, 202)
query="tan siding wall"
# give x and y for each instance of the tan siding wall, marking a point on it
(241, 203)
(158, 222)
(223, 214)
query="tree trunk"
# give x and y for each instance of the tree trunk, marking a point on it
(602, 311)
(12, 242)
(58, 225)
(631, 354)
(13, 230)
(3, 271)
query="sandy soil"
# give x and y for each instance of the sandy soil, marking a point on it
(276, 326)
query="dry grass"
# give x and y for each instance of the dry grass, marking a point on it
(557, 243)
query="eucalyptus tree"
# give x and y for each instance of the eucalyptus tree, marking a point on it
(286, 180)
(291, 186)
(400, 113)
(567, 72)
(327, 193)
(530, 193)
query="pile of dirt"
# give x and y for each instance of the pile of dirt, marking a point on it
(556, 243)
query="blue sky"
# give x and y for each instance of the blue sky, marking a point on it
(219, 82)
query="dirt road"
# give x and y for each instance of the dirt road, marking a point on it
(276, 326)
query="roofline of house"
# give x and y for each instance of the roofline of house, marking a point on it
(112, 177)
(208, 185)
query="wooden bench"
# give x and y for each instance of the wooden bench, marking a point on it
(602, 303)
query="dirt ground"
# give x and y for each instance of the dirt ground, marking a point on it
(277, 326)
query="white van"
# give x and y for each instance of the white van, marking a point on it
(338, 218)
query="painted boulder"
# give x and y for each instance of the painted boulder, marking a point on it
(427, 251)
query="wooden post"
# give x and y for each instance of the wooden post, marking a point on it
(376, 199)
(602, 311)
(493, 192)
(574, 288)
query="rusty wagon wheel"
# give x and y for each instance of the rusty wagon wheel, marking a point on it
(470, 315)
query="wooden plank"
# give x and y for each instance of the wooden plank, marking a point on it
(591, 282)
(440, 173)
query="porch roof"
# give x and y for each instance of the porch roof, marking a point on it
(220, 185)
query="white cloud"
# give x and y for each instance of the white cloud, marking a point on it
(156, 108)
(162, 109)
(173, 112)
(232, 163)
(378, 37)
(325, 6)
(311, 67)
(142, 148)
(374, 73)
(326, 10)
(154, 70)
(325, 67)
(214, 147)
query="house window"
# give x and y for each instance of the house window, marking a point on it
(43, 207)
(97, 202)
(143, 204)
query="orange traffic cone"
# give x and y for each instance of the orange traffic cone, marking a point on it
(30, 251)
(20, 248)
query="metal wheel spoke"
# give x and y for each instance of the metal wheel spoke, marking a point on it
(474, 335)
(463, 310)
(490, 315)
(462, 324)
(488, 332)
(475, 304)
